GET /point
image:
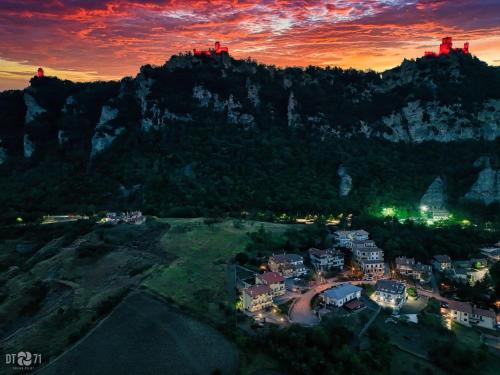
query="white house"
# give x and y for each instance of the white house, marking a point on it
(287, 265)
(374, 268)
(274, 280)
(390, 293)
(469, 315)
(408, 267)
(366, 249)
(256, 297)
(344, 238)
(341, 294)
(469, 271)
(323, 260)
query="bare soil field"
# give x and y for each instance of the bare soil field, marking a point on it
(143, 335)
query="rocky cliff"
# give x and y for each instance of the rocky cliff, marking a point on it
(444, 99)
(486, 189)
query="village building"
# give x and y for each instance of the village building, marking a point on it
(408, 267)
(390, 293)
(341, 294)
(325, 260)
(368, 257)
(274, 280)
(344, 238)
(372, 268)
(492, 253)
(256, 297)
(366, 249)
(287, 265)
(441, 262)
(469, 271)
(469, 315)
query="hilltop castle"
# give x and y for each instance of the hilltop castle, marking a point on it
(446, 47)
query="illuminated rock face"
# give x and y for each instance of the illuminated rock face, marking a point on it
(486, 189)
(345, 182)
(434, 197)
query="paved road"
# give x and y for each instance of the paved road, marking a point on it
(301, 312)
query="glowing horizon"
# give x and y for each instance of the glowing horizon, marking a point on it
(107, 40)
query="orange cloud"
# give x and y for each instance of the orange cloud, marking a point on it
(113, 38)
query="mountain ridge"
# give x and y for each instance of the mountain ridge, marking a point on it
(171, 117)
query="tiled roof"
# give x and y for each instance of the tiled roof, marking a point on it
(257, 290)
(390, 286)
(470, 309)
(271, 278)
(489, 313)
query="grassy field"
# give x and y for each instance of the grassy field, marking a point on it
(199, 276)
(406, 364)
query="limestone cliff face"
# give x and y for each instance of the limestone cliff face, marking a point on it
(486, 189)
(33, 110)
(345, 181)
(105, 134)
(419, 122)
(434, 197)
(231, 106)
(293, 115)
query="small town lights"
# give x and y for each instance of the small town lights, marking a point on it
(424, 208)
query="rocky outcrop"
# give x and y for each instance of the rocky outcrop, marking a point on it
(434, 197)
(293, 115)
(28, 146)
(233, 107)
(418, 122)
(105, 134)
(33, 109)
(253, 93)
(345, 181)
(486, 189)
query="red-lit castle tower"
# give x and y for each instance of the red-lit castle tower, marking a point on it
(218, 50)
(40, 73)
(446, 47)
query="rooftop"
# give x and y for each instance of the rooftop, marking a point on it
(341, 291)
(271, 278)
(320, 253)
(364, 243)
(404, 261)
(283, 258)
(257, 290)
(390, 286)
(442, 258)
(470, 309)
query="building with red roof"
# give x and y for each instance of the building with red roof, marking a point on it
(469, 315)
(274, 280)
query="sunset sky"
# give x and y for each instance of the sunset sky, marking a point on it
(88, 39)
